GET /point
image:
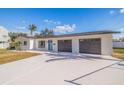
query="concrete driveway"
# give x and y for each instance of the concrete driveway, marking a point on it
(63, 69)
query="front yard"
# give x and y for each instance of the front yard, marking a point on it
(118, 53)
(7, 56)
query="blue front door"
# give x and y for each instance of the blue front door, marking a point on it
(50, 45)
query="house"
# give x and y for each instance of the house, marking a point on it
(98, 42)
(4, 38)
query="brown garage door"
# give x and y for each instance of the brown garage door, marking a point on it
(91, 46)
(65, 45)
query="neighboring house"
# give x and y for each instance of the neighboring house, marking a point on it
(99, 42)
(4, 38)
(118, 44)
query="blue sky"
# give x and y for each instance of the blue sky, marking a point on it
(63, 20)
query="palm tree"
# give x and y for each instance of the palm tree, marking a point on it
(32, 28)
(47, 32)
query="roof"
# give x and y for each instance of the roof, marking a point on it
(78, 34)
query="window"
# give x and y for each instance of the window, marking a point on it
(41, 44)
(25, 43)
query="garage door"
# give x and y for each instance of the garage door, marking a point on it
(91, 46)
(65, 45)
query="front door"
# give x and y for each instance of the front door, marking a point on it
(50, 45)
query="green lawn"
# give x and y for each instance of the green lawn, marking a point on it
(7, 56)
(118, 53)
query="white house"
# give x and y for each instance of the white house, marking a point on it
(4, 38)
(99, 42)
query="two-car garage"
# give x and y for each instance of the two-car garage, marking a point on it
(91, 46)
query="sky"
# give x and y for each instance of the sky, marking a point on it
(63, 20)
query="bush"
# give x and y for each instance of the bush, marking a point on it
(15, 45)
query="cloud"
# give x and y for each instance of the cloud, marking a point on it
(61, 28)
(65, 28)
(122, 11)
(21, 27)
(52, 22)
(112, 12)
(23, 21)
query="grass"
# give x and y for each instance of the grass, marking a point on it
(118, 53)
(7, 56)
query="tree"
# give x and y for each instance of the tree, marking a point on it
(17, 45)
(14, 35)
(46, 33)
(14, 44)
(32, 28)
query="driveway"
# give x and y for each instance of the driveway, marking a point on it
(63, 69)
